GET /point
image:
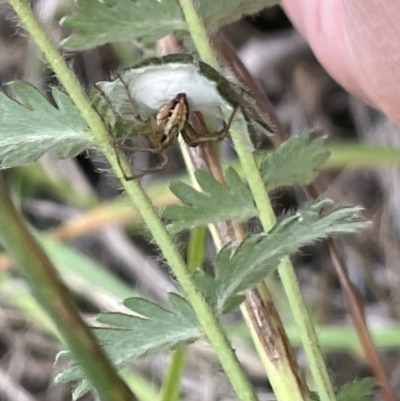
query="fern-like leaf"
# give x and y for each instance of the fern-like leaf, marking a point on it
(259, 254)
(361, 390)
(146, 20)
(295, 162)
(121, 20)
(219, 13)
(32, 126)
(127, 337)
(216, 203)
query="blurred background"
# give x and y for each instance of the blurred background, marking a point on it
(104, 252)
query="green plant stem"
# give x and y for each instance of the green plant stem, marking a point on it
(196, 247)
(288, 276)
(142, 387)
(356, 154)
(51, 293)
(140, 200)
(267, 217)
(198, 33)
(171, 384)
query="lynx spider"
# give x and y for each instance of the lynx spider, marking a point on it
(171, 120)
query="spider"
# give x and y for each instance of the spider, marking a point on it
(162, 129)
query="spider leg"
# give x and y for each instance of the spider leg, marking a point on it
(113, 142)
(158, 167)
(133, 149)
(117, 117)
(159, 150)
(191, 137)
(132, 102)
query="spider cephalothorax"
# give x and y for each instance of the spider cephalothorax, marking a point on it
(171, 120)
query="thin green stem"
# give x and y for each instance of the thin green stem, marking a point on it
(198, 33)
(196, 247)
(361, 155)
(288, 276)
(172, 380)
(267, 217)
(140, 200)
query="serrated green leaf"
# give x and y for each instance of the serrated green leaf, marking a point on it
(148, 20)
(32, 126)
(121, 20)
(259, 254)
(219, 13)
(127, 337)
(357, 391)
(295, 162)
(216, 203)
